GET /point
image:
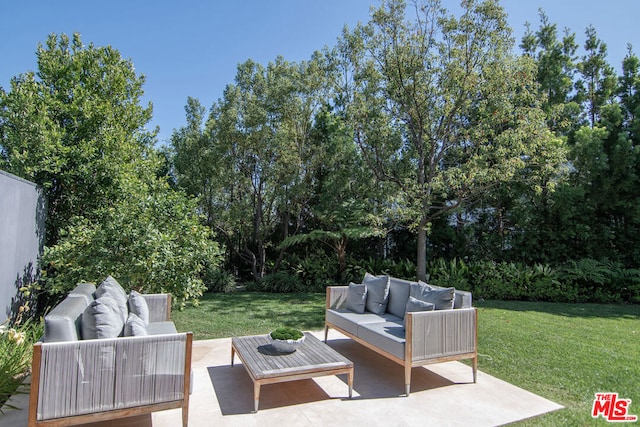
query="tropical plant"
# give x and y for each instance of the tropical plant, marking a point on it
(218, 280)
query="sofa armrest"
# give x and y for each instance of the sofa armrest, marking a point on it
(442, 333)
(336, 297)
(159, 307)
(463, 299)
(83, 377)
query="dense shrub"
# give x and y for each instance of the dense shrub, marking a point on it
(218, 280)
(150, 243)
(582, 281)
(356, 268)
(280, 282)
(603, 282)
(315, 271)
(578, 281)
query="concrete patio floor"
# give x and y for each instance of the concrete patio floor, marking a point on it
(441, 394)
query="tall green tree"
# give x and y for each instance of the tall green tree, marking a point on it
(443, 110)
(344, 199)
(76, 127)
(597, 82)
(255, 169)
(556, 68)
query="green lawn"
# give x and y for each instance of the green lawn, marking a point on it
(564, 352)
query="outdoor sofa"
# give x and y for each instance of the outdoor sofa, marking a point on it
(107, 355)
(411, 323)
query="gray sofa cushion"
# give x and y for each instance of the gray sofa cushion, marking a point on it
(112, 287)
(138, 306)
(102, 319)
(377, 293)
(442, 298)
(135, 326)
(398, 296)
(462, 299)
(348, 320)
(86, 290)
(161, 328)
(357, 297)
(388, 336)
(63, 322)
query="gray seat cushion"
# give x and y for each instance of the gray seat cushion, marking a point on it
(63, 322)
(388, 336)
(348, 320)
(161, 328)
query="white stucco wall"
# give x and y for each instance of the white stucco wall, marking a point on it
(22, 219)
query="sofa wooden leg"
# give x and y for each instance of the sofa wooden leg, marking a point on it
(475, 368)
(326, 333)
(407, 379)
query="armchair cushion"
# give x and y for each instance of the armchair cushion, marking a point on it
(85, 290)
(356, 297)
(111, 287)
(135, 326)
(138, 306)
(102, 319)
(377, 293)
(63, 322)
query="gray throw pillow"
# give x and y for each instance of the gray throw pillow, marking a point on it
(356, 297)
(111, 287)
(101, 319)
(442, 298)
(414, 304)
(377, 293)
(135, 327)
(398, 296)
(138, 306)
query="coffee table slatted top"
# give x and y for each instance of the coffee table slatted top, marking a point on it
(311, 356)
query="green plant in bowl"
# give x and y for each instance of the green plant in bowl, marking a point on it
(286, 333)
(286, 339)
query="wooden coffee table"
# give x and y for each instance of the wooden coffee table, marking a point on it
(313, 358)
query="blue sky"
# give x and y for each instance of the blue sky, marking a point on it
(192, 48)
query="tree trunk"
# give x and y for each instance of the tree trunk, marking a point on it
(421, 264)
(341, 252)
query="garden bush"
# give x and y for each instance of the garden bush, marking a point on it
(218, 280)
(585, 280)
(280, 282)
